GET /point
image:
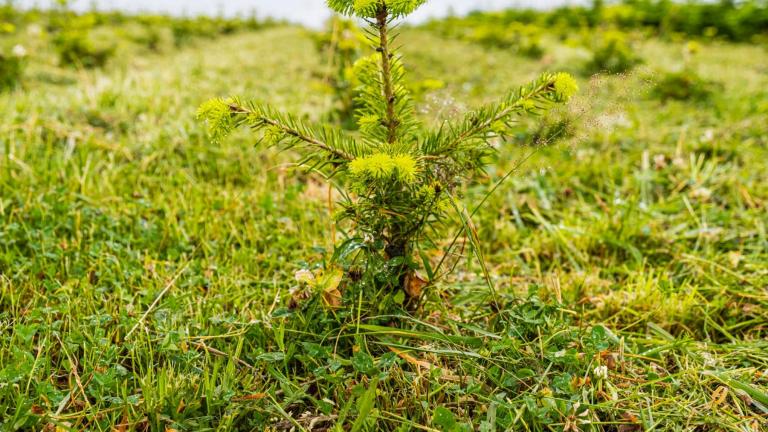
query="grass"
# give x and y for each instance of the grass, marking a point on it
(628, 260)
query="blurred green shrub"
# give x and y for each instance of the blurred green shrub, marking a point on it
(73, 40)
(186, 30)
(686, 84)
(149, 32)
(683, 85)
(76, 47)
(612, 53)
(523, 39)
(12, 63)
(341, 45)
(739, 21)
(493, 32)
(420, 88)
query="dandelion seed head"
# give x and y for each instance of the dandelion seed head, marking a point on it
(19, 51)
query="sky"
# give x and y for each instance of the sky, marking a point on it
(308, 12)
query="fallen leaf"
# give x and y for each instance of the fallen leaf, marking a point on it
(579, 382)
(123, 425)
(250, 397)
(37, 410)
(414, 284)
(634, 423)
(332, 298)
(718, 396)
(609, 359)
(412, 360)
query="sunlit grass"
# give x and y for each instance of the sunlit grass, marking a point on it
(638, 244)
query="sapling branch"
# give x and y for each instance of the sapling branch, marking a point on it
(478, 125)
(256, 120)
(278, 129)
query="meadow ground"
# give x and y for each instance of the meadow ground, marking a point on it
(630, 258)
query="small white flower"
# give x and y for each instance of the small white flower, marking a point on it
(613, 121)
(601, 372)
(709, 360)
(701, 193)
(304, 276)
(19, 51)
(34, 30)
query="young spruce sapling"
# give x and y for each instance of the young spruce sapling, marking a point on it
(396, 179)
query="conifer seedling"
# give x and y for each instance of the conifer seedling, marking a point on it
(396, 179)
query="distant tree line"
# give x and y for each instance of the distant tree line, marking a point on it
(738, 21)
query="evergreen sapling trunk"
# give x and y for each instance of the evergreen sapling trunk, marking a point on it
(396, 179)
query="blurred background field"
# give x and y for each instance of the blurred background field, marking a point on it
(307, 12)
(629, 250)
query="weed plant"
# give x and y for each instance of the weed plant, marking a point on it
(12, 64)
(612, 53)
(76, 44)
(76, 47)
(685, 84)
(520, 38)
